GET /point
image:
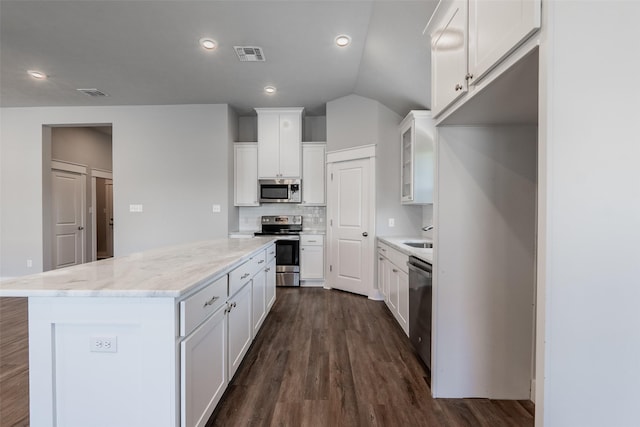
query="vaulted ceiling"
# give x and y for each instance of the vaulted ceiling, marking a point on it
(143, 52)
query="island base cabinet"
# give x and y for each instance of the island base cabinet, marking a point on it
(259, 303)
(73, 383)
(240, 327)
(271, 284)
(203, 370)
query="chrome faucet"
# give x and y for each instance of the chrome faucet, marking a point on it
(427, 228)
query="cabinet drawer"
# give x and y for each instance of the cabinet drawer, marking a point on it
(399, 259)
(258, 262)
(195, 309)
(270, 254)
(240, 276)
(311, 240)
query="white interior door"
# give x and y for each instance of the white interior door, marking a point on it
(108, 191)
(351, 231)
(68, 218)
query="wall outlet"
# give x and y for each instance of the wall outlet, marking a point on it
(135, 208)
(29, 263)
(392, 222)
(103, 344)
(216, 209)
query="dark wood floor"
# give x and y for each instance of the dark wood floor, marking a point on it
(322, 358)
(329, 358)
(14, 363)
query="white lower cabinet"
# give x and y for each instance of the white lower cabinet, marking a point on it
(393, 282)
(270, 289)
(312, 257)
(203, 369)
(240, 327)
(258, 300)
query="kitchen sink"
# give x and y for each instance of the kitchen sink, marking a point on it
(422, 245)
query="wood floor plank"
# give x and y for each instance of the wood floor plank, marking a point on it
(14, 362)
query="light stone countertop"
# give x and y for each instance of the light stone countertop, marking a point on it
(164, 272)
(397, 243)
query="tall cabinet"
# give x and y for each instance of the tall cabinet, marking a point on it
(313, 173)
(417, 139)
(279, 142)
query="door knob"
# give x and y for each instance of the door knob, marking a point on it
(365, 234)
(80, 227)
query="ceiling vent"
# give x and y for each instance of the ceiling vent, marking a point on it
(92, 92)
(249, 53)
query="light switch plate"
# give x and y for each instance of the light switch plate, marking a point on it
(135, 208)
(216, 209)
(392, 222)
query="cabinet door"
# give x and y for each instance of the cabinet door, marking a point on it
(382, 286)
(270, 291)
(246, 175)
(203, 370)
(240, 327)
(258, 300)
(268, 145)
(407, 136)
(313, 174)
(290, 142)
(393, 288)
(496, 28)
(449, 56)
(311, 262)
(403, 300)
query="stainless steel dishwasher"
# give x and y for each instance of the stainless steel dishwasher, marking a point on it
(420, 307)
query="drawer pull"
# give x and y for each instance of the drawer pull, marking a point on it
(395, 271)
(261, 261)
(244, 276)
(268, 269)
(271, 253)
(211, 301)
(312, 241)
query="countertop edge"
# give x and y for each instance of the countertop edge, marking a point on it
(395, 242)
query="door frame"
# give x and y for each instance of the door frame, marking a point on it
(76, 168)
(96, 173)
(355, 153)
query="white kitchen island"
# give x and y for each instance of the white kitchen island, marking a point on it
(149, 339)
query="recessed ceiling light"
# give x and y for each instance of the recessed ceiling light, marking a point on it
(37, 74)
(208, 44)
(270, 90)
(343, 40)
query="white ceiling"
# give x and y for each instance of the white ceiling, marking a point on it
(146, 52)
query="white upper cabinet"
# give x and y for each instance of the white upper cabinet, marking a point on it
(469, 38)
(313, 174)
(496, 27)
(448, 54)
(417, 140)
(245, 171)
(279, 142)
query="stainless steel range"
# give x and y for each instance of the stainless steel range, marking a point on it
(287, 228)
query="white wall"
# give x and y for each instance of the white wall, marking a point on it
(353, 121)
(171, 159)
(485, 259)
(589, 341)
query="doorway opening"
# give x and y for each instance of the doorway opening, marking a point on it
(77, 195)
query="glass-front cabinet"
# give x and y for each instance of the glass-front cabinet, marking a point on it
(417, 138)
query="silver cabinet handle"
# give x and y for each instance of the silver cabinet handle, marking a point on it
(211, 301)
(244, 276)
(380, 258)
(261, 261)
(311, 241)
(268, 269)
(395, 271)
(468, 77)
(459, 87)
(271, 253)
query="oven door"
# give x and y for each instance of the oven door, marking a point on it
(288, 262)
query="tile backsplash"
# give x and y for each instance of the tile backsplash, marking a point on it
(313, 217)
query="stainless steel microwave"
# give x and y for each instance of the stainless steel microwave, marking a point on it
(280, 190)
